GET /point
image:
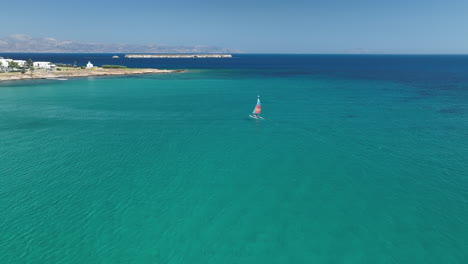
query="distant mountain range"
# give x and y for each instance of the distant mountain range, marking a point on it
(25, 43)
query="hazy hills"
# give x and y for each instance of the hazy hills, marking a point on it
(25, 43)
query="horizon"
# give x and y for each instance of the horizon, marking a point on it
(297, 27)
(356, 155)
(257, 53)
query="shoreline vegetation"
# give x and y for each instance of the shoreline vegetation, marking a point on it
(72, 72)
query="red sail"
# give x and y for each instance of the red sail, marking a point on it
(258, 107)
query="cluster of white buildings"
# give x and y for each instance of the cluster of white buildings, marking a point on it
(5, 63)
(45, 65)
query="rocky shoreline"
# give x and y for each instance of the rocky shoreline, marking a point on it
(73, 73)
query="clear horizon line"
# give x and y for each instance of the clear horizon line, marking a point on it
(243, 53)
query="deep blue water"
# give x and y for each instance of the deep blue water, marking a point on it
(360, 159)
(430, 71)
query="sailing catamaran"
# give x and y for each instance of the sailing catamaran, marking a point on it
(257, 110)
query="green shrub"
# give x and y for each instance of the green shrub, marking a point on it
(113, 67)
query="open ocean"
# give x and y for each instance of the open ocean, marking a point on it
(360, 159)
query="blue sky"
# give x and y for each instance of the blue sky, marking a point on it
(294, 26)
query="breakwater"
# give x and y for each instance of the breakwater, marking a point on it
(157, 56)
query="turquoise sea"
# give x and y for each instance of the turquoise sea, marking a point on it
(360, 159)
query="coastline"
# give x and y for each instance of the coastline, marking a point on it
(75, 73)
(176, 56)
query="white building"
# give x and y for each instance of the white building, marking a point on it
(4, 62)
(20, 63)
(42, 65)
(89, 65)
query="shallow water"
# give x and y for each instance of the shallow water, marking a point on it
(358, 160)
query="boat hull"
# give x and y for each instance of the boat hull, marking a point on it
(255, 117)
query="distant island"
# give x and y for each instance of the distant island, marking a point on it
(24, 43)
(149, 56)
